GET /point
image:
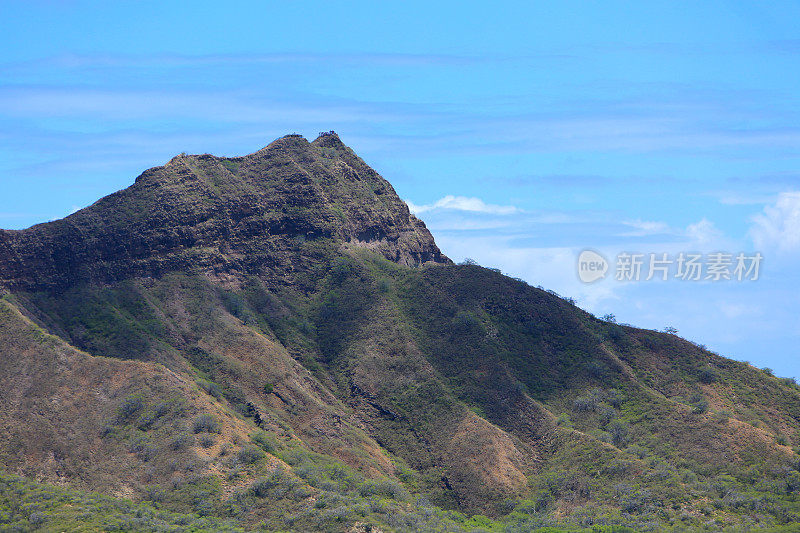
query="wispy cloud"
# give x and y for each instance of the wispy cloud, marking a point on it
(742, 198)
(641, 228)
(559, 180)
(251, 89)
(136, 106)
(130, 61)
(702, 233)
(464, 203)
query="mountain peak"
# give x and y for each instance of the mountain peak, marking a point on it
(328, 138)
(271, 213)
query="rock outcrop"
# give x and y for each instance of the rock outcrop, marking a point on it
(224, 217)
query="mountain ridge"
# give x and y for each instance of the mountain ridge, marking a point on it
(202, 201)
(275, 340)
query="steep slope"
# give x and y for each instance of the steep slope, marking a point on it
(275, 339)
(269, 213)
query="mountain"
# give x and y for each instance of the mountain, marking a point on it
(223, 218)
(274, 342)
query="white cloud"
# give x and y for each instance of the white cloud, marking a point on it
(729, 198)
(703, 232)
(414, 208)
(778, 226)
(642, 228)
(464, 203)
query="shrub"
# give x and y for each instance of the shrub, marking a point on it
(614, 397)
(722, 416)
(617, 467)
(792, 480)
(597, 369)
(341, 268)
(37, 518)
(182, 441)
(143, 448)
(708, 375)
(606, 413)
(250, 454)
(206, 423)
(700, 407)
(601, 435)
(595, 401)
(638, 451)
(162, 408)
(699, 404)
(620, 433)
(211, 388)
(564, 420)
(385, 487)
(237, 306)
(337, 514)
(636, 502)
(585, 403)
(276, 485)
(207, 441)
(147, 420)
(306, 327)
(129, 407)
(265, 442)
(466, 323)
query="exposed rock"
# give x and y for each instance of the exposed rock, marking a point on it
(224, 217)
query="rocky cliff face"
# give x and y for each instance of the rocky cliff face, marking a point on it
(224, 217)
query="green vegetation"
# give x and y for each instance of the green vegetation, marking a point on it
(275, 367)
(29, 506)
(205, 423)
(624, 453)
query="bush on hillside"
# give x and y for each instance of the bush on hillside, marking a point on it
(265, 441)
(206, 423)
(708, 375)
(620, 433)
(250, 454)
(385, 487)
(466, 323)
(182, 441)
(699, 404)
(129, 407)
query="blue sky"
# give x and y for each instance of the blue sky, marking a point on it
(521, 132)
